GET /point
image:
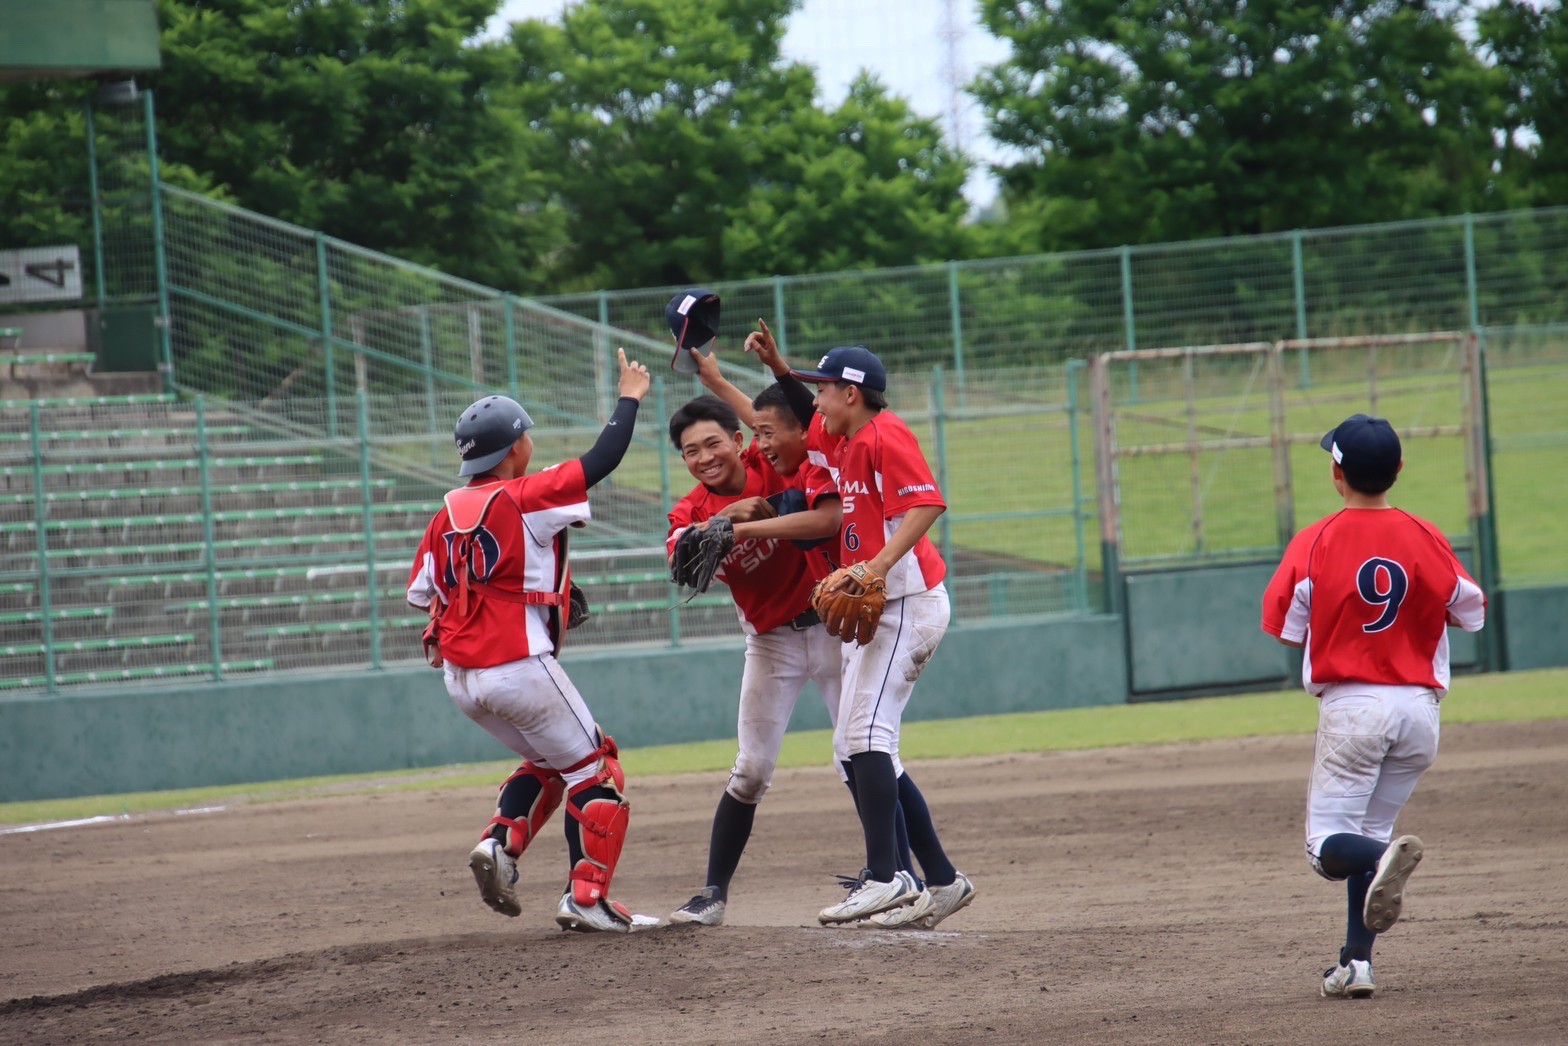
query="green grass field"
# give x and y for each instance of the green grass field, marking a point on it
(1503, 697)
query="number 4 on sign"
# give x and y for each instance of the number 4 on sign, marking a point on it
(52, 273)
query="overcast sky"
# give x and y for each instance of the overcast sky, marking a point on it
(903, 41)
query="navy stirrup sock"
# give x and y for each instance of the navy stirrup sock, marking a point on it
(732, 823)
(922, 835)
(877, 792)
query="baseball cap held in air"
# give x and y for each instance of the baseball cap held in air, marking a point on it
(693, 316)
(1367, 448)
(855, 364)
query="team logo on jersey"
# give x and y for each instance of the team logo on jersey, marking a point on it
(747, 556)
(480, 550)
(849, 491)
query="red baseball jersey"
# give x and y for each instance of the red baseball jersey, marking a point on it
(515, 550)
(769, 579)
(1371, 592)
(881, 475)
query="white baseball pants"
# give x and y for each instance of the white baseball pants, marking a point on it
(531, 707)
(880, 676)
(1373, 744)
(778, 664)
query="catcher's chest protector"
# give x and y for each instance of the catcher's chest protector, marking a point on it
(466, 508)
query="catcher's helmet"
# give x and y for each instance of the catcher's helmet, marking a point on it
(487, 430)
(693, 317)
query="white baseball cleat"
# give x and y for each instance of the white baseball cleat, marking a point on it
(706, 909)
(868, 896)
(1386, 895)
(1352, 981)
(604, 916)
(945, 900)
(904, 915)
(495, 871)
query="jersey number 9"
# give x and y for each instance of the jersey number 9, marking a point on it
(1382, 583)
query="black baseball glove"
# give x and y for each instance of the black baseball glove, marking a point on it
(699, 551)
(577, 607)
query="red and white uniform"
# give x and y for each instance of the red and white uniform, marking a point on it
(767, 577)
(770, 581)
(881, 475)
(500, 665)
(1370, 593)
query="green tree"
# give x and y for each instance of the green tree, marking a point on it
(1138, 121)
(373, 120)
(1529, 43)
(685, 148)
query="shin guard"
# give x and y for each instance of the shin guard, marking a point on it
(601, 811)
(525, 827)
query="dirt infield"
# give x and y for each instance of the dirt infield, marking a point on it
(1129, 895)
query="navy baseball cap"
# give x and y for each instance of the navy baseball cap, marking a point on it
(855, 364)
(693, 316)
(1367, 448)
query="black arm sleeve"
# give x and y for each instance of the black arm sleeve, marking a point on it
(611, 446)
(801, 399)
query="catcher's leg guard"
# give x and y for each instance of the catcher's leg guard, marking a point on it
(530, 805)
(601, 812)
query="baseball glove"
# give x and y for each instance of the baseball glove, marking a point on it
(577, 607)
(699, 551)
(850, 602)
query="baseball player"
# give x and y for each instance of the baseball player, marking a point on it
(770, 577)
(889, 501)
(782, 440)
(492, 569)
(1367, 594)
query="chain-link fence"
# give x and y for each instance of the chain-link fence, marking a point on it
(1491, 270)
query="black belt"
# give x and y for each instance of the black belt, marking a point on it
(805, 621)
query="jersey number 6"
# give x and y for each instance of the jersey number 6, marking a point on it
(1370, 584)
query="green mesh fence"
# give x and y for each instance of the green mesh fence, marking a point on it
(1491, 270)
(271, 527)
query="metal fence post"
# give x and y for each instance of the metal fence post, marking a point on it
(510, 326)
(324, 293)
(40, 520)
(780, 325)
(1284, 483)
(372, 588)
(1299, 280)
(672, 592)
(1105, 482)
(159, 258)
(1129, 322)
(1470, 281)
(427, 355)
(97, 215)
(939, 437)
(209, 554)
(604, 374)
(956, 313)
(1081, 581)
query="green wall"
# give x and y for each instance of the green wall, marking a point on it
(283, 727)
(1535, 622)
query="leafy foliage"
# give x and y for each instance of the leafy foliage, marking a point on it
(1141, 121)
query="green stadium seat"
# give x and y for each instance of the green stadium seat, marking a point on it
(40, 359)
(99, 435)
(137, 400)
(106, 467)
(219, 490)
(117, 675)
